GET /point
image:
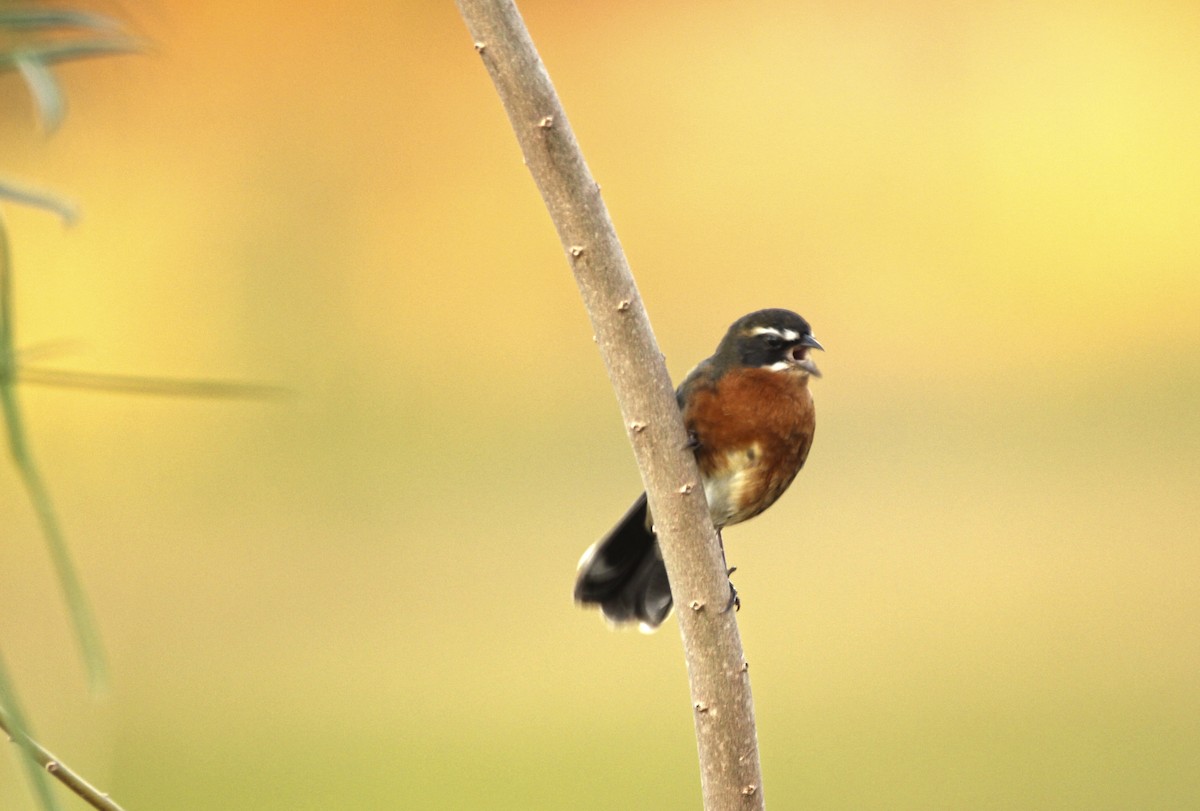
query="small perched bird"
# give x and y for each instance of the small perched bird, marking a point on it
(750, 419)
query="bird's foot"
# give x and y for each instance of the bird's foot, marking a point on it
(735, 602)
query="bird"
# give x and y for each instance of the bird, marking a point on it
(750, 421)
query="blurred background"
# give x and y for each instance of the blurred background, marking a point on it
(980, 593)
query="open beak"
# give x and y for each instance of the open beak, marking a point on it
(802, 360)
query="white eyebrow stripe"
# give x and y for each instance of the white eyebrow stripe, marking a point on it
(785, 334)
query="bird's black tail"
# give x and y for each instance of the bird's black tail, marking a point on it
(624, 574)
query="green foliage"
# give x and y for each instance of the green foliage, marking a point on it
(34, 40)
(38, 38)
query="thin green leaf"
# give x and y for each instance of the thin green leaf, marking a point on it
(33, 19)
(47, 95)
(157, 386)
(39, 495)
(66, 210)
(51, 52)
(14, 723)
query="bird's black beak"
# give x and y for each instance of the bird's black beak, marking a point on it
(808, 340)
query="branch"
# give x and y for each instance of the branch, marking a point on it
(717, 670)
(55, 767)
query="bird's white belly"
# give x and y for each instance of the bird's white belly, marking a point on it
(726, 485)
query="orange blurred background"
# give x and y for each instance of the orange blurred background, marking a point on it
(981, 592)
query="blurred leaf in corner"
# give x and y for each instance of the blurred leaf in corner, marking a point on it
(34, 39)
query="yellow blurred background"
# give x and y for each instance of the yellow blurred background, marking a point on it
(982, 591)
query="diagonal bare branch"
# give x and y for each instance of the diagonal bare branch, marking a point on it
(42, 762)
(720, 685)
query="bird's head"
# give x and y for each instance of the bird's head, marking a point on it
(778, 340)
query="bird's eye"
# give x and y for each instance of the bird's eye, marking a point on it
(772, 341)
